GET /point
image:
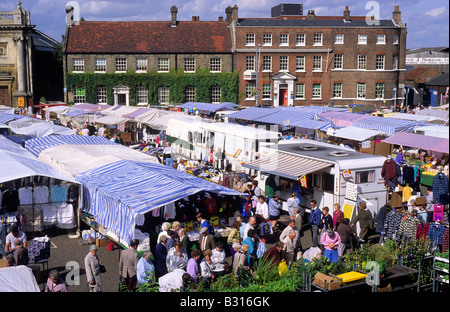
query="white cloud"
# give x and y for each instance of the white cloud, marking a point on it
(436, 11)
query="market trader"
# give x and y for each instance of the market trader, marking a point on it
(14, 234)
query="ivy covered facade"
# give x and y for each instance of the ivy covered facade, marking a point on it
(149, 63)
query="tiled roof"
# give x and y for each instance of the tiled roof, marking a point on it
(149, 37)
(421, 74)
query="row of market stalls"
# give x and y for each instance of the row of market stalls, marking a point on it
(20, 127)
(120, 186)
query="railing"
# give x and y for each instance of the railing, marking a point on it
(9, 18)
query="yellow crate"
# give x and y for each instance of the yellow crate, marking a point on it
(351, 276)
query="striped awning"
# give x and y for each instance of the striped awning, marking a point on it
(35, 146)
(119, 194)
(286, 165)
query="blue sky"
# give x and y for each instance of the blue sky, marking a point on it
(427, 20)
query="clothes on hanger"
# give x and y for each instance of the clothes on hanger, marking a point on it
(58, 193)
(408, 226)
(389, 173)
(407, 191)
(440, 189)
(10, 200)
(445, 241)
(26, 195)
(41, 194)
(392, 223)
(435, 233)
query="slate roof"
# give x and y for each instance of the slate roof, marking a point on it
(149, 37)
(318, 22)
(441, 80)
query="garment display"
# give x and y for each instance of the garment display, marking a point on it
(392, 223)
(422, 230)
(10, 200)
(26, 195)
(445, 241)
(389, 173)
(406, 193)
(408, 226)
(440, 189)
(41, 195)
(435, 233)
(58, 193)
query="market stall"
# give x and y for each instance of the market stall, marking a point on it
(388, 126)
(34, 196)
(131, 189)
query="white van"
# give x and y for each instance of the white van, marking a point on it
(324, 166)
(435, 131)
(240, 144)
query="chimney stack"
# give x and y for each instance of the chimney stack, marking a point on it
(220, 18)
(229, 13)
(346, 13)
(234, 15)
(174, 11)
(195, 18)
(397, 15)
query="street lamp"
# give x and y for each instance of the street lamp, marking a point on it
(257, 69)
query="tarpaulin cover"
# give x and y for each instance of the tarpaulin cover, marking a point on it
(35, 146)
(420, 141)
(119, 194)
(18, 279)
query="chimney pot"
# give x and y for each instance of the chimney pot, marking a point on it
(397, 15)
(174, 11)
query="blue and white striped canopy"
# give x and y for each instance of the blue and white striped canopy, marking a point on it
(285, 117)
(387, 125)
(251, 113)
(207, 106)
(6, 117)
(312, 124)
(119, 194)
(35, 146)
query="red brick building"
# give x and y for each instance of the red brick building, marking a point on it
(295, 59)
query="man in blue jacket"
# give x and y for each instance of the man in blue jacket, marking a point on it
(314, 219)
(274, 209)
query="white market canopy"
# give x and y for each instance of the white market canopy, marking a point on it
(17, 163)
(38, 128)
(356, 134)
(18, 279)
(111, 120)
(75, 159)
